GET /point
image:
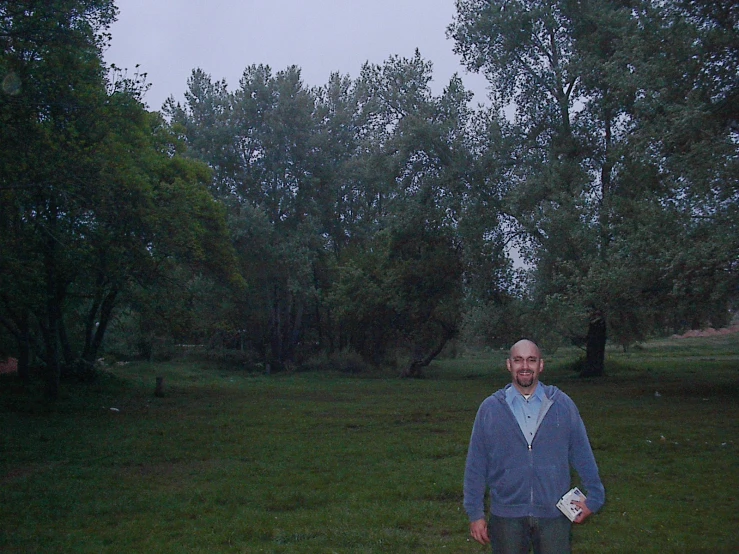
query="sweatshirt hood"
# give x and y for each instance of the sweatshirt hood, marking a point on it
(550, 391)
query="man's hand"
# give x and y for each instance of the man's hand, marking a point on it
(479, 531)
(584, 514)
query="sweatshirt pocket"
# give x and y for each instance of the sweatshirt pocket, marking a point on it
(550, 483)
(512, 488)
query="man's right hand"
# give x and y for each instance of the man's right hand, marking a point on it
(479, 531)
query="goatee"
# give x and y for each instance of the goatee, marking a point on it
(524, 381)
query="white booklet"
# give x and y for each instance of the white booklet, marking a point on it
(565, 503)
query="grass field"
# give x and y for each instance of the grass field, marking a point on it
(229, 461)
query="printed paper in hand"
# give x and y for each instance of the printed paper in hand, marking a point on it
(565, 503)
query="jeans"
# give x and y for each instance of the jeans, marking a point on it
(517, 535)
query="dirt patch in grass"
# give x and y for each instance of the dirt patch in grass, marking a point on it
(709, 332)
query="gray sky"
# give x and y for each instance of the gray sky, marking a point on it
(169, 38)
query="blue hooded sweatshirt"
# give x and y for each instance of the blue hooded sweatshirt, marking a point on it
(528, 480)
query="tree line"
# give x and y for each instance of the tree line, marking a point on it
(370, 217)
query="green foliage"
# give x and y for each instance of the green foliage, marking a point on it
(346, 361)
(624, 156)
(95, 199)
(405, 293)
(291, 224)
(321, 181)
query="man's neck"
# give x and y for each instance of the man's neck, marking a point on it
(526, 391)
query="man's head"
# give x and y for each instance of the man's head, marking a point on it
(525, 365)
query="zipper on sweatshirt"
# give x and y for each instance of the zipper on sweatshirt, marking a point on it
(548, 403)
(531, 496)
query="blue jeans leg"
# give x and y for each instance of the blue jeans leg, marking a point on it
(509, 535)
(519, 535)
(552, 535)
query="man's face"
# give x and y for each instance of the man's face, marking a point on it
(525, 365)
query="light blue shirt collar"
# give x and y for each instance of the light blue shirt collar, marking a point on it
(526, 412)
(511, 392)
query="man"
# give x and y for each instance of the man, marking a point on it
(525, 438)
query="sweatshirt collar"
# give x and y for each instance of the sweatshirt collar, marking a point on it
(511, 392)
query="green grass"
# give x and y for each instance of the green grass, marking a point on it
(230, 461)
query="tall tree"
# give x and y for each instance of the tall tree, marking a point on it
(95, 197)
(51, 75)
(420, 205)
(260, 140)
(588, 182)
(322, 180)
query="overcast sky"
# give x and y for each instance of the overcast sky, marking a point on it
(170, 38)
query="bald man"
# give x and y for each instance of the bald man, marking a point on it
(525, 439)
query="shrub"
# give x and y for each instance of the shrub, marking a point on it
(344, 361)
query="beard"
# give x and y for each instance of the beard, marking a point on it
(525, 381)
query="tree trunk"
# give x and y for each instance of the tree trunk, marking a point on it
(24, 351)
(52, 369)
(419, 361)
(51, 330)
(18, 325)
(275, 328)
(65, 348)
(595, 354)
(95, 332)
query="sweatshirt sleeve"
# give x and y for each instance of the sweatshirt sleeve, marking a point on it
(475, 472)
(583, 460)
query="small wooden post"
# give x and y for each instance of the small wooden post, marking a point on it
(159, 390)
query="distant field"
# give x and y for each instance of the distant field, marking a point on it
(229, 461)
